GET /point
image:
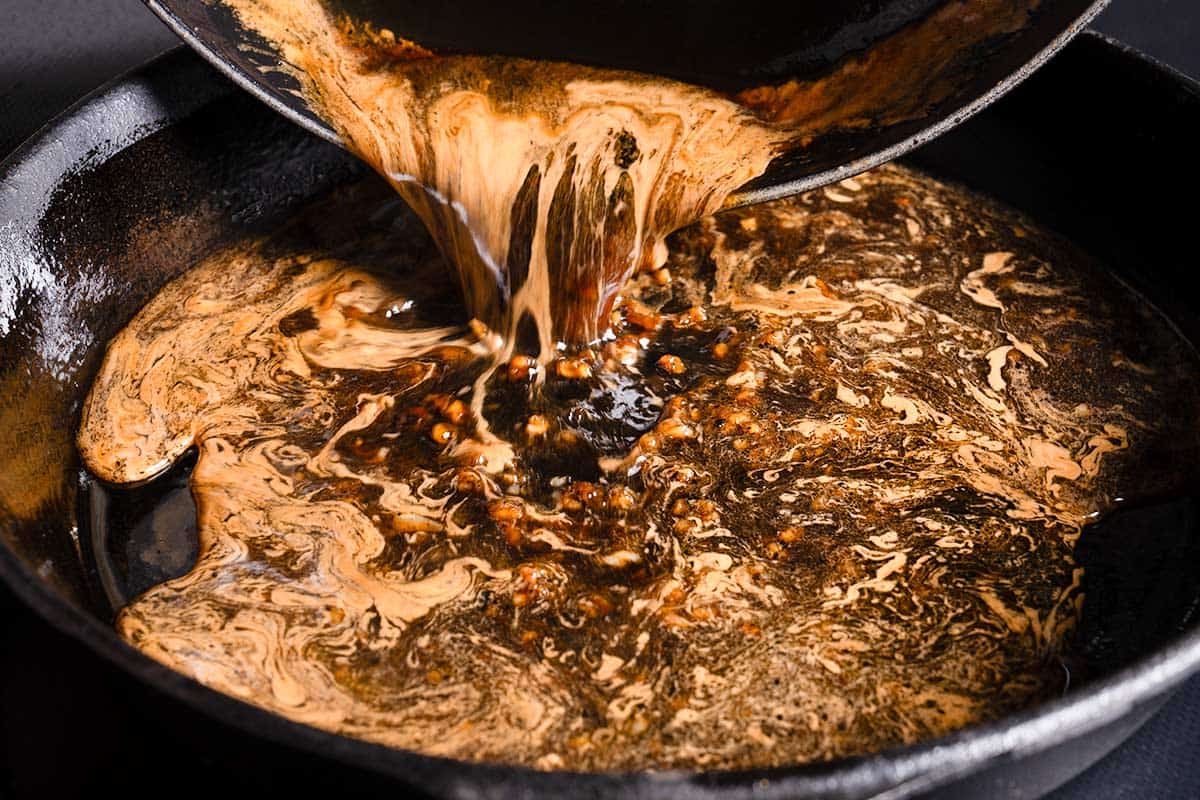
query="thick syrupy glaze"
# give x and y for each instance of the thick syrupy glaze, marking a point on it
(816, 495)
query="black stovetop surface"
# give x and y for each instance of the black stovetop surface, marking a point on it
(70, 724)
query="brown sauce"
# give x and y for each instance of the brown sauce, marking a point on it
(816, 493)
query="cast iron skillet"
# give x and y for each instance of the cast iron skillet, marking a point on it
(130, 186)
(935, 79)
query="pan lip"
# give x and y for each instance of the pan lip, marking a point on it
(739, 198)
(892, 773)
(239, 76)
(926, 134)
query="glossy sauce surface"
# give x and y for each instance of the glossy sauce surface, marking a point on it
(816, 494)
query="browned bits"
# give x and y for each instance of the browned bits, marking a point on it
(506, 510)
(675, 429)
(536, 426)
(336, 615)
(408, 374)
(532, 588)
(741, 443)
(468, 481)
(442, 433)
(478, 329)
(679, 508)
(454, 411)
(675, 597)
(684, 526)
(750, 629)
(695, 315)
(520, 368)
(582, 494)
(621, 498)
(512, 534)
(672, 365)
(774, 339)
(595, 606)
(530, 574)
(707, 510)
(451, 408)
(433, 677)
(720, 350)
(775, 550)
(639, 316)
(736, 420)
(528, 637)
(662, 276)
(791, 534)
(675, 407)
(572, 368)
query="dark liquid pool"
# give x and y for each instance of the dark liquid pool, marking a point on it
(860, 468)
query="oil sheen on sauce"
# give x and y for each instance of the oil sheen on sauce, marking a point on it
(817, 493)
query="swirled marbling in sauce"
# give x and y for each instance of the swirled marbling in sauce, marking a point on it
(817, 494)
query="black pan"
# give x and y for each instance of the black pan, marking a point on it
(132, 185)
(936, 62)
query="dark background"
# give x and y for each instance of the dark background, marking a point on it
(70, 724)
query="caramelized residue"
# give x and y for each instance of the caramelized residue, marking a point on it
(816, 494)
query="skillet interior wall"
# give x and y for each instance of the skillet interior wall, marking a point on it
(166, 200)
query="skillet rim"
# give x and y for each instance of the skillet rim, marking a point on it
(750, 193)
